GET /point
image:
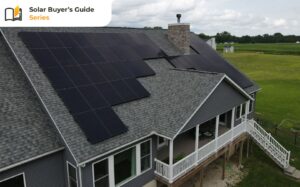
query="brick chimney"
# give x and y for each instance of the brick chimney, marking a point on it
(179, 35)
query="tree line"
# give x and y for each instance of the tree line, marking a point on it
(266, 38)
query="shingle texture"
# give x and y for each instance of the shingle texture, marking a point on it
(174, 96)
(25, 130)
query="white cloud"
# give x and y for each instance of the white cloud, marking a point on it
(279, 22)
(208, 16)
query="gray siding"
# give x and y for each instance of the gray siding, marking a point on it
(222, 100)
(87, 171)
(44, 172)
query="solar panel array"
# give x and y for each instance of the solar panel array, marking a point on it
(209, 60)
(92, 72)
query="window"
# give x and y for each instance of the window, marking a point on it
(16, 181)
(72, 175)
(161, 142)
(101, 177)
(125, 165)
(238, 112)
(145, 156)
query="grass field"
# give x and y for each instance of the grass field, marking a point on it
(279, 78)
(274, 48)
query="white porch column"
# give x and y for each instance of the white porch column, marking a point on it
(217, 131)
(246, 114)
(232, 122)
(171, 161)
(138, 159)
(247, 109)
(111, 171)
(197, 142)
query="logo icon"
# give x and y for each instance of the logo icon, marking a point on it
(13, 14)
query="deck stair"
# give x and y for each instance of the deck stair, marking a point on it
(263, 139)
(268, 144)
(272, 148)
(292, 172)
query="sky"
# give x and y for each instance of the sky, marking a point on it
(239, 17)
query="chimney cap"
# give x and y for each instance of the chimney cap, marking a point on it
(178, 17)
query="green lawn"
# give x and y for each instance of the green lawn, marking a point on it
(274, 48)
(279, 78)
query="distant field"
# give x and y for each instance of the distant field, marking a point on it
(274, 48)
(279, 78)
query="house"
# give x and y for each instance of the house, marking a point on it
(91, 107)
(228, 49)
(212, 42)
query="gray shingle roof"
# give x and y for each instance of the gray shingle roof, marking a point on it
(25, 130)
(174, 96)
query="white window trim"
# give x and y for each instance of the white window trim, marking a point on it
(11, 177)
(150, 154)
(137, 175)
(111, 165)
(67, 164)
(165, 143)
(93, 170)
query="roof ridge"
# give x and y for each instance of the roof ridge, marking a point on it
(196, 71)
(134, 28)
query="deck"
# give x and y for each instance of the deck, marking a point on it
(185, 145)
(195, 158)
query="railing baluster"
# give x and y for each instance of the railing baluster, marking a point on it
(265, 139)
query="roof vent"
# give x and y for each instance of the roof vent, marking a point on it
(178, 17)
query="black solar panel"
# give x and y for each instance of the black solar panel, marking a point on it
(203, 63)
(209, 60)
(92, 72)
(94, 129)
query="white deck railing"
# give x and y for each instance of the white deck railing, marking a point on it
(162, 169)
(263, 138)
(196, 157)
(278, 153)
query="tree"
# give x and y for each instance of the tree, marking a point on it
(265, 38)
(204, 36)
